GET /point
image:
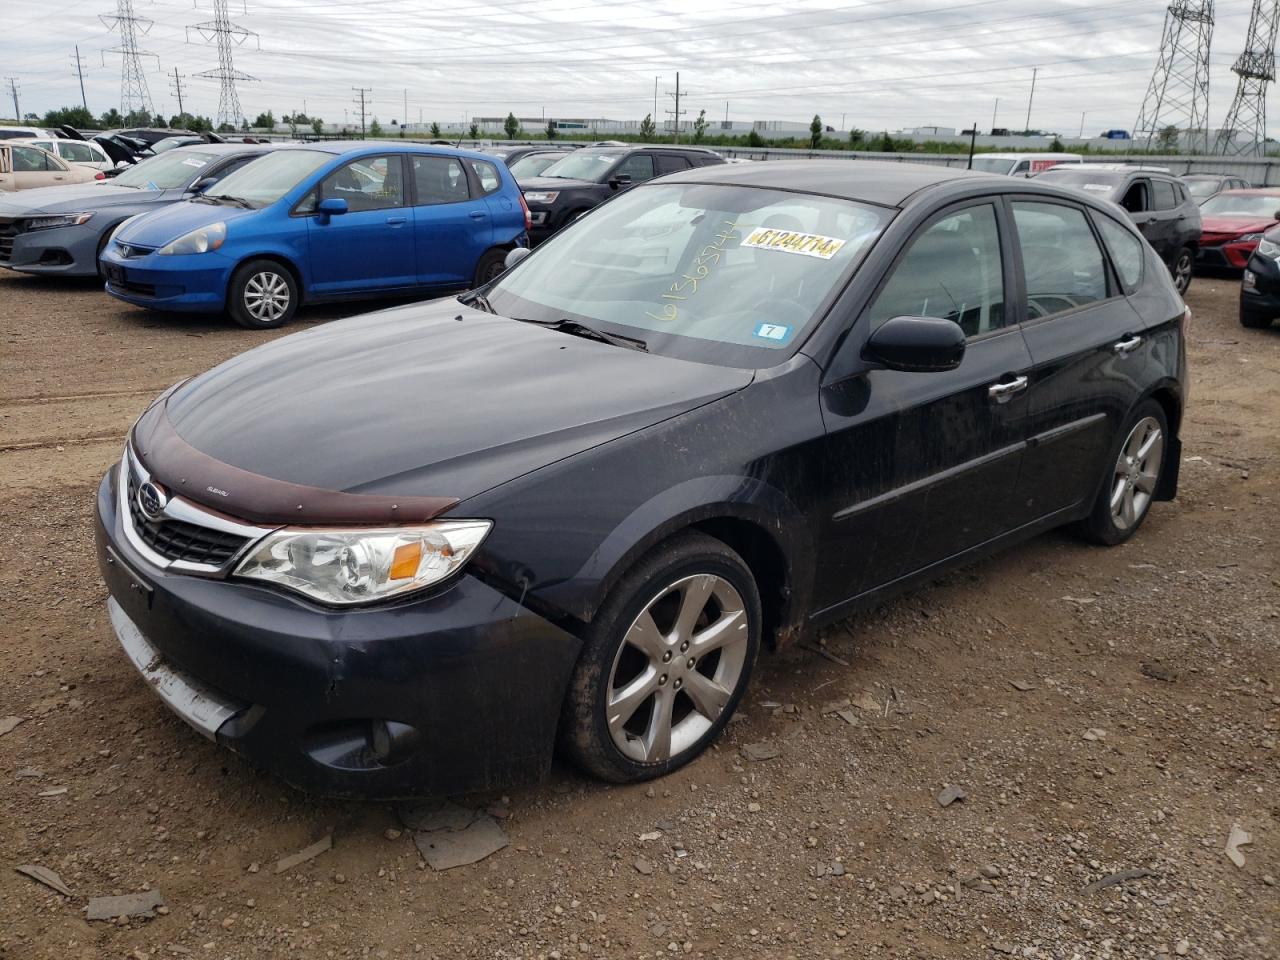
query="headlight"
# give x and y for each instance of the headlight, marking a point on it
(541, 196)
(197, 241)
(61, 220)
(345, 567)
(1269, 249)
(1248, 237)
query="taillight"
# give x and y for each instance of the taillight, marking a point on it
(1186, 321)
(528, 217)
(99, 175)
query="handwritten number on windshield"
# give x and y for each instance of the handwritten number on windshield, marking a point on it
(699, 270)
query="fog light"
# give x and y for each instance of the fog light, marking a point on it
(391, 741)
(1250, 280)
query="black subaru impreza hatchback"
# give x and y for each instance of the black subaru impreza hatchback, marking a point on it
(415, 551)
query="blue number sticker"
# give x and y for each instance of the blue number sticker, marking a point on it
(773, 331)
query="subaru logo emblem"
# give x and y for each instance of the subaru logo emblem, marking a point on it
(151, 501)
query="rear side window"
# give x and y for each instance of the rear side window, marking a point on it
(439, 180)
(1125, 250)
(952, 271)
(1165, 197)
(1061, 260)
(487, 174)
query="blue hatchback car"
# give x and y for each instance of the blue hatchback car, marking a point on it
(316, 222)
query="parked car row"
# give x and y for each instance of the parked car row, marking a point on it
(417, 551)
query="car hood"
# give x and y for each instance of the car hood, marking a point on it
(1236, 225)
(553, 183)
(426, 401)
(169, 223)
(76, 197)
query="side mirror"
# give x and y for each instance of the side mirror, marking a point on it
(330, 207)
(916, 344)
(1277, 214)
(620, 181)
(515, 255)
(200, 186)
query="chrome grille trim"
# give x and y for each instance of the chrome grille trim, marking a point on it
(134, 474)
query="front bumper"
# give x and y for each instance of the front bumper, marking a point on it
(295, 687)
(1227, 256)
(60, 251)
(195, 282)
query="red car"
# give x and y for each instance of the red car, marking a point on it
(1233, 223)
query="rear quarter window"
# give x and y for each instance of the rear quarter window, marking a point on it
(1165, 195)
(487, 174)
(1125, 250)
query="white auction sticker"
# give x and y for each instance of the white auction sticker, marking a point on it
(788, 241)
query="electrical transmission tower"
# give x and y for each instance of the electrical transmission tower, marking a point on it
(1178, 95)
(676, 113)
(228, 36)
(1245, 129)
(134, 94)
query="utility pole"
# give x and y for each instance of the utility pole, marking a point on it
(177, 90)
(1031, 98)
(405, 116)
(80, 73)
(363, 106)
(677, 112)
(1083, 113)
(655, 100)
(13, 89)
(994, 110)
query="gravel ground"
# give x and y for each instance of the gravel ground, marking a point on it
(1101, 710)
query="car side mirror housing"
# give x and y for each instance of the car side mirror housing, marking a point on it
(1277, 214)
(200, 186)
(620, 181)
(330, 207)
(916, 344)
(515, 255)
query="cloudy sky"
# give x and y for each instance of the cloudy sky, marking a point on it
(875, 63)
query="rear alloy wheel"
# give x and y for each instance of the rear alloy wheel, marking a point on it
(263, 295)
(1130, 485)
(490, 267)
(665, 662)
(1182, 270)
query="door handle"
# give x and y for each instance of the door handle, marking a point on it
(396, 221)
(1003, 391)
(1151, 219)
(1126, 347)
(477, 214)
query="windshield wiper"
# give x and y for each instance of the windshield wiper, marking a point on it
(573, 327)
(477, 300)
(238, 201)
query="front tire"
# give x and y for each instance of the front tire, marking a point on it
(664, 663)
(262, 295)
(1181, 270)
(1133, 474)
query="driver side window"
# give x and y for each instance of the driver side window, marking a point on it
(370, 183)
(952, 271)
(638, 167)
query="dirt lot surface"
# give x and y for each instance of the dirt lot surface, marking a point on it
(1021, 681)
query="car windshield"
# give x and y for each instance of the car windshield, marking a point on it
(166, 172)
(1199, 189)
(265, 180)
(993, 164)
(1261, 205)
(583, 165)
(721, 274)
(1103, 184)
(534, 165)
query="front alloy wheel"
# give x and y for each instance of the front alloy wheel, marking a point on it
(664, 662)
(262, 295)
(266, 296)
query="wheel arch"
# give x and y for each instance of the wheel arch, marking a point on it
(1170, 399)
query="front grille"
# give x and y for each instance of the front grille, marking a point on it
(9, 228)
(131, 252)
(141, 289)
(179, 540)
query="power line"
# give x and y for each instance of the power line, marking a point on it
(134, 94)
(362, 91)
(227, 35)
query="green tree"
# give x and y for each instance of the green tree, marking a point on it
(137, 118)
(292, 120)
(647, 127)
(265, 120)
(375, 128)
(511, 125)
(317, 126)
(886, 144)
(226, 128)
(244, 124)
(700, 126)
(112, 119)
(69, 116)
(1057, 146)
(754, 139)
(552, 132)
(856, 137)
(435, 130)
(158, 120)
(200, 124)
(474, 131)
(1167, 141)
(815, 132)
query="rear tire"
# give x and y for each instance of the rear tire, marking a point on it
(1181, 270)
(262, 295)
(491, 266)
(1133, 475)
(1254, 319)
(664, 662)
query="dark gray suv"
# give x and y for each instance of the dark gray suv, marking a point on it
(1156, 201)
